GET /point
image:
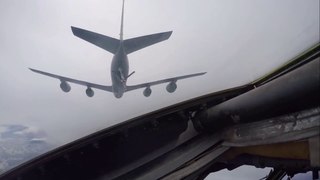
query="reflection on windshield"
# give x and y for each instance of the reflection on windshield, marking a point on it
(234, 42)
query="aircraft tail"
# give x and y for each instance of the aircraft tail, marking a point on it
(122, 19)
(111, 44)
(135, 44)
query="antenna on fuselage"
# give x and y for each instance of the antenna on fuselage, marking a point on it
(122, 19)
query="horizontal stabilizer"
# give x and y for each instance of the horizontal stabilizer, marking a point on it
(135, 44)
(107, 43)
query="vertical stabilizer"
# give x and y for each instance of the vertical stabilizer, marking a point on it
(122, 18)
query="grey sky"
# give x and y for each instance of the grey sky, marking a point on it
(234, 41)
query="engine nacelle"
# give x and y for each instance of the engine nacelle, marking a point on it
(171, 87)
(89, 92)
(147, 92)
(65, 87)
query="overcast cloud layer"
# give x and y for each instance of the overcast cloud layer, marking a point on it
(234, 41)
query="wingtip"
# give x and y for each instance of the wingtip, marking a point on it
(168, 34)
(202, 73)
(34, 70)
(73, 29)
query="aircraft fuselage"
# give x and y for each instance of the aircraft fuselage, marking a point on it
(119, 72)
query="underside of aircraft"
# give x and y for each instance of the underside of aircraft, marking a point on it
(120, 48)
(271, 122)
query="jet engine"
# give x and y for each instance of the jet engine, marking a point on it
(65, 87)
(171, 87)
(89, 92)
(147, 92)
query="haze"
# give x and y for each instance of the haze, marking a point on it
(234, 41)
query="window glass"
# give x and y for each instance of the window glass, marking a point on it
(235, 42)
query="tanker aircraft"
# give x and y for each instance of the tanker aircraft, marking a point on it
(120, 64)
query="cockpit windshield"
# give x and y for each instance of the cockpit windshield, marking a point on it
(214, 45)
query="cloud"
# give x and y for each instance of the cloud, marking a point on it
(20, 143)
(20, 131)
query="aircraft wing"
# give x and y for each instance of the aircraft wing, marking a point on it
(66, 79)
(148, 84)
